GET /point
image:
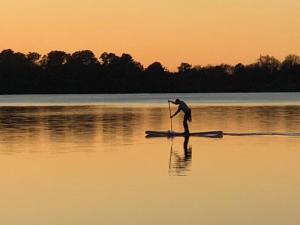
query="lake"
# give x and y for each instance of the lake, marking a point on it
(84, 159)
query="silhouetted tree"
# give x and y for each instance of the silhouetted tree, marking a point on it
(55, 59)
(85, 57)
(82, 72)
(290, 63)
(129, 64)
(239, 69)
(184, 68)
(155, 68)
(268, 64)
(120, 66)
(108, 58)
(33, 57)
(17, 73)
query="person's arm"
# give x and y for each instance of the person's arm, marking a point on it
(172, 102)
(178, 110)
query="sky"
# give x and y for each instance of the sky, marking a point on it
(199, 32)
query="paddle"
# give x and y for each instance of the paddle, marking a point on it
(170, 116)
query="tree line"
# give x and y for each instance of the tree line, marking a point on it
(82, 72)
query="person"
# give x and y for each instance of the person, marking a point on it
(182, 106)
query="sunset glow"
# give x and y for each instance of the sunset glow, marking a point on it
(170, 31)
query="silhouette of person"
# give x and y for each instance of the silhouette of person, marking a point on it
(182, 106)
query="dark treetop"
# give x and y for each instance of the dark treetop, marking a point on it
(83, 72)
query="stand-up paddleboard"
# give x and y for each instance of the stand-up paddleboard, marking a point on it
(170, 134)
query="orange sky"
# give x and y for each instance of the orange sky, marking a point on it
(170, 31)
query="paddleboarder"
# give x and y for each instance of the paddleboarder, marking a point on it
(182, 106)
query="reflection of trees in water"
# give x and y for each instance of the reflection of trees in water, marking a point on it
(81, 127)
(29, 124)
(73, 123)
(118, 124)
(17, 124)
(240, 118)
(268, 118)
(291, 116)
(275, 118)
(180, 161)
(156, 117)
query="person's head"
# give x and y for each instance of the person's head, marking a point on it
(177, 101)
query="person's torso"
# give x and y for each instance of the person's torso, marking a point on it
(183, 106)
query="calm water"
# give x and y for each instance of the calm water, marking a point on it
(84, 159)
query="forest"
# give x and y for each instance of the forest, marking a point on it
(82, 72)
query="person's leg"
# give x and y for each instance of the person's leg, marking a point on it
(185, 124)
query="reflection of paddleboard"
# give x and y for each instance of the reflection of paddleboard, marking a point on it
(210, 134)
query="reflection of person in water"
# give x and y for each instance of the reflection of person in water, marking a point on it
(181, 162)
(187, 150)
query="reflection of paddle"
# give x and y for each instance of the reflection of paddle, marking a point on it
(170, 117)
(171, 153)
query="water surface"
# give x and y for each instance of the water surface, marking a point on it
(117, 99)
(91, 164)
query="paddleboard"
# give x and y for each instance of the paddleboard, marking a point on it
(209, 134)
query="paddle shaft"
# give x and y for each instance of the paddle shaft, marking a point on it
(170, 116)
